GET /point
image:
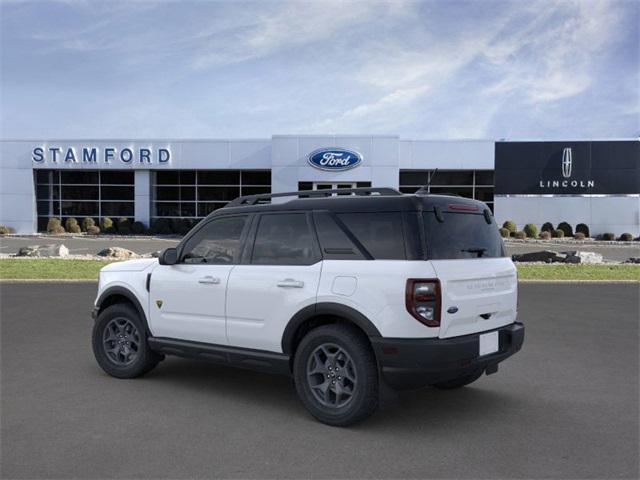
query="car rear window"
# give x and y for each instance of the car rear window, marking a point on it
(461, 235)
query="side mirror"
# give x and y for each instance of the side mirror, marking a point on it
(169, 256)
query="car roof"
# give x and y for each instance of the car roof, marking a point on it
(359, 203)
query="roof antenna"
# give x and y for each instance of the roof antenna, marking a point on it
(425, 190)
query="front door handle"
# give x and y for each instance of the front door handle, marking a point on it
(209, 280)
(290, 283)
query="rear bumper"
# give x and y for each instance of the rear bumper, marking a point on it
(414, 363)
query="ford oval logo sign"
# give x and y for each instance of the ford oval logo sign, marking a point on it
(334, 159)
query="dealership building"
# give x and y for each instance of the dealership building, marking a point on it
(596, 182)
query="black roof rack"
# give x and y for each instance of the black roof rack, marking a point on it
(248, 200)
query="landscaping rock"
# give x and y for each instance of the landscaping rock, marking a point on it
(582, 257)
(52, 250)
(546, 256)
(117, 252)
(632, 260)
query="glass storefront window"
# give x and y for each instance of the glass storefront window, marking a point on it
(197, 193)
(79, 194)
(476, 184)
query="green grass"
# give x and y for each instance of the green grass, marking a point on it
(58, 269)
(50, 269)
(579, 272)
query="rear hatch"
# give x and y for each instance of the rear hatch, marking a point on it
(478, 283)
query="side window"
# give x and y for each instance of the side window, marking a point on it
(217, 243)
(334, 242)
(283, 239)
(380, 233)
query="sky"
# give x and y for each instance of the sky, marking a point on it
(420, 70)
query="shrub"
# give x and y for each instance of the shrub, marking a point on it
(520, 235)
(626, 237)
(583, 228)
(579, 236)
(88, 222)
(547, 227)
(546, 235)
(57, 230)
(124, 226)
(531, 230)
(4, 230)
(138, 228)
(161, 226)
(566, 228)
(52, 224)
(106, 225)
(504, 232)
(71, 225)
(69, 222)
(185, 226)
(510, 225)
(557, 233)
(608, 236)
(93, 230)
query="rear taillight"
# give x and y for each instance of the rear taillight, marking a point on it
(423, 300)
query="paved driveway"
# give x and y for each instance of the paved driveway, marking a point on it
(565, 406)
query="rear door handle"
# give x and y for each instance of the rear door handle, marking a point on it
(290, 283)
(209, 280)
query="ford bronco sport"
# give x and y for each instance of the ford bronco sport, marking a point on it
(348, 294)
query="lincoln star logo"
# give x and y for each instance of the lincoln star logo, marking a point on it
(159, 303)
(567, 160)
(334, 159)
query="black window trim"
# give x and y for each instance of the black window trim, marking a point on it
(247, 254)
(203, 224)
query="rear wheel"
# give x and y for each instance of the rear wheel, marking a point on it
(459, 382)
(336, 375)
(119, 343)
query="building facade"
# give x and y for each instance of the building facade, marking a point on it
(592, 182)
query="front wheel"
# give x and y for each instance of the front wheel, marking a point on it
(119, 343)
(336, 375)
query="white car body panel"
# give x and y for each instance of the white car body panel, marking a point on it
(193, 302)
(246, 307)
(261, 299)
(482, 286)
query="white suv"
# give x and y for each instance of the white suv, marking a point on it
(346, 293)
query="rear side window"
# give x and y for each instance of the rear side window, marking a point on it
(380, 233)
(461, 235)
(283, 239)
(335, 243)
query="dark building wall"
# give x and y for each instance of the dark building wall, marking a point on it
(596, 167)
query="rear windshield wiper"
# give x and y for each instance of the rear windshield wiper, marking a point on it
(480, 251)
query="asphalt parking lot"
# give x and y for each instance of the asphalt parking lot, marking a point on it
(144, 245)
(565, 407)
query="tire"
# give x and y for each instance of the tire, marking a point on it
(459, 382)
(130, 356)
(317, 362)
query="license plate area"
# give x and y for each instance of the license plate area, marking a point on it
(488, 343)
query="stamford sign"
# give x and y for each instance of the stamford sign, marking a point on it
(334, 159)
(95, 155)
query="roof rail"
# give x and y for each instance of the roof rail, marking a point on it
(248, 200)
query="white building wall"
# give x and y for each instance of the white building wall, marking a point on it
(289, 159)
(446, 154)
(617, 214)
(17, 188)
